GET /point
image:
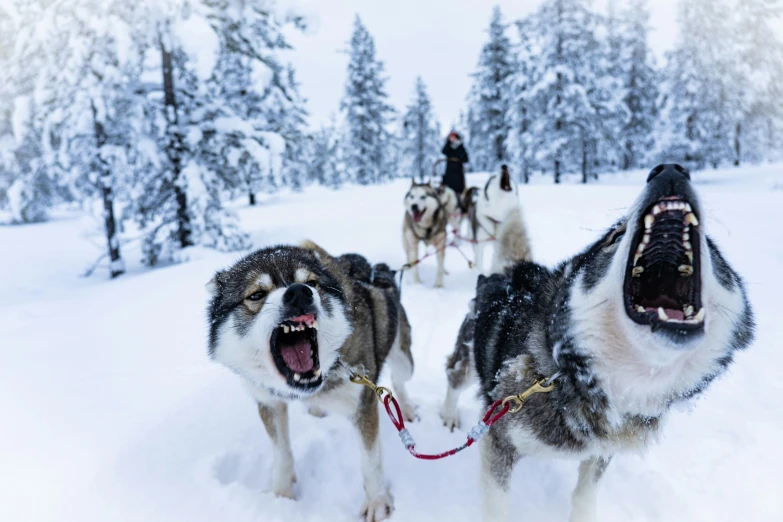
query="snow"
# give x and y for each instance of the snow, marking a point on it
(200, 42)
(112, 410)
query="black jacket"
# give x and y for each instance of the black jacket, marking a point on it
(455, 170)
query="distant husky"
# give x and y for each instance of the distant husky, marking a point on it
(643, 319)
(425, 221)
(494, 212)
(451, 203)
(284, 318)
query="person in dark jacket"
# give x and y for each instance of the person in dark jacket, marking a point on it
(456, 157)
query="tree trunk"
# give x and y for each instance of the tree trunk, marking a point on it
(557, 171)
(252, 199)
(737, 144)
(116, 264)
(174, 149)
(584, 163)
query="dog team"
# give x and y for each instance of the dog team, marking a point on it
(643, 319)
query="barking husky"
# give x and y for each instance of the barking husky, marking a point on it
(284, 319)
(643, 319)
(494, 212)
(425, 221)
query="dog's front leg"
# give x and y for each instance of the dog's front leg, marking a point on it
(440, 247)
(275, 417)
(411, 244)
(478, 253)
(584, 506)
(497, 462)
(378, 503)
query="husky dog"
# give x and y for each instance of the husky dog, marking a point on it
(425, 221)
(643, 319)
(494, 212)
(285, 319)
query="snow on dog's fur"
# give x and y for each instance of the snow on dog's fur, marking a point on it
(643, 319)
(494, 212)
(284, 318)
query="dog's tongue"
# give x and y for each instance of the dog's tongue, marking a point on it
(297, 357)
(417, 216)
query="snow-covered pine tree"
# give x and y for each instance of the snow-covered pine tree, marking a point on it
(489, 98)
(31, 185)
(755, 133)
(519, 111)
(699, 90)
(366, 111)
(322, 158)
(573, 98)
(420, 140)
(640, 82)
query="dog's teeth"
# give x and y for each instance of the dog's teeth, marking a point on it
(315, 325)
(662, 314)
(689, 253)
(648, 221)
(657, 209)
(646, 239)
(690, 218)
(685, 270)
(700, 316)
(637, 271)
(688, 207)
(687, 245)
(317, 372)
(640, 248)
(636, 258)
(686, 237)
(297, 377)
(640, 309)
(286, 328)
(688, 309)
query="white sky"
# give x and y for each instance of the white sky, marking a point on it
(437, 39)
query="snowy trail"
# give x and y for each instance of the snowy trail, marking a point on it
(113, 412)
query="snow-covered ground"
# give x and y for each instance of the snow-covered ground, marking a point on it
(111, 410)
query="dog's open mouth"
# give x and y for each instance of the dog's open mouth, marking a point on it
(294, 345)
(663, 278)
(417, 214)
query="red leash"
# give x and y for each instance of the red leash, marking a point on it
(479, 430)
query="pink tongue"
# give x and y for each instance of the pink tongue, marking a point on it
(297, 357)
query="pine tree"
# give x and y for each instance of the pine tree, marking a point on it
(489, 98)
(573, 97)
(366, 112)
(323, 158)
(519, 113)
(420, 140)
(640, 82)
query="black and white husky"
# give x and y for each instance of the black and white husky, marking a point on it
(285, 319)
(643, 319)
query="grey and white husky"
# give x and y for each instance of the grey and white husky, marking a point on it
(643, 319)
(425, 221)
(285, 319)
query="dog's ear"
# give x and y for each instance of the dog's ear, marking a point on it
(317, 250)
(216, 284)
(505, 178)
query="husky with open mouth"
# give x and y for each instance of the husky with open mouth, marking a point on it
(288, 320)
(494, 213)
(643, 319)
(426, 217)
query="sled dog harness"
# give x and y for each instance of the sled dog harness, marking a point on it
(510, 404)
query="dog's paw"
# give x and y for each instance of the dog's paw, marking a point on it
(439, 283)
(450, 419)
(315, 411)
(284, 487)
(378, 508)
(409, 412)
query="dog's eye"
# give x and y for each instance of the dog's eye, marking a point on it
(255, 297)
(422, 198)
(312, 283)
(618, 237)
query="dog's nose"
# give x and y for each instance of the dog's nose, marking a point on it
(298, 299)
(669, 168)
(415, 208)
